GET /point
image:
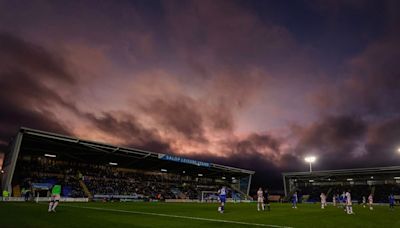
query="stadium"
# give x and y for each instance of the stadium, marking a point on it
(199, 113)
(130, 186)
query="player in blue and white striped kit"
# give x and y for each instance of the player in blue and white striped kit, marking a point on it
(222, 199)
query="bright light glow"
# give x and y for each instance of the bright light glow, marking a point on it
(223, 178)
(233, 178)
(50, 155)
(372, 177)
(349, 179)
(200, 175)
(397, 178)
(183, 171)
(113, 163)
(311, 181)
(163, 170)
(2, 171)
(398, 150)
(310, 159)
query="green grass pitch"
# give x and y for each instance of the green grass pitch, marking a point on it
(153, 214)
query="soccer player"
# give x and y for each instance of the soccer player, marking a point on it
(370, 201)
(343, 201)
(266, 200)
(234, 196)
(323, 200)
(334, 200)
(349, 205)
(6, 194)
(27, 194)
(55, 197)
(222, 199)
(391, 201)
(260, 199)
(364, 201)
(294, 200)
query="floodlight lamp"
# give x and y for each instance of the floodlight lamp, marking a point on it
(310, 159)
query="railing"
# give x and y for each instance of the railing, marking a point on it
(85, 189)
(241, 192)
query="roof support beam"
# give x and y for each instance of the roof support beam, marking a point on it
(10, 167)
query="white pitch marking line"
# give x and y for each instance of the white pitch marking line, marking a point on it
(180, 216)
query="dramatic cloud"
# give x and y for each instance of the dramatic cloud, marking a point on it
(332, 138)
(178, 116)
(383, 141)
(126, 127)
(30, 82)
(27, 73)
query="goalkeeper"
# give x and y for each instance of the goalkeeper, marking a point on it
(55, 197)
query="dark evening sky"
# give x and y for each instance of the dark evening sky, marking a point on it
(253, 84)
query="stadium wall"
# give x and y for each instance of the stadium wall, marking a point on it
(45, 199)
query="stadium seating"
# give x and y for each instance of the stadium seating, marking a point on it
(101, 180)
(46, 171)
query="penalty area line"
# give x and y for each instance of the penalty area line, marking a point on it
(178, 216)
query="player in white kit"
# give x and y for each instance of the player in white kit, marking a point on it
(260, 199)
(364, 201)
(349, 205)
(334, 200)
(370, 201)
(323, 200)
